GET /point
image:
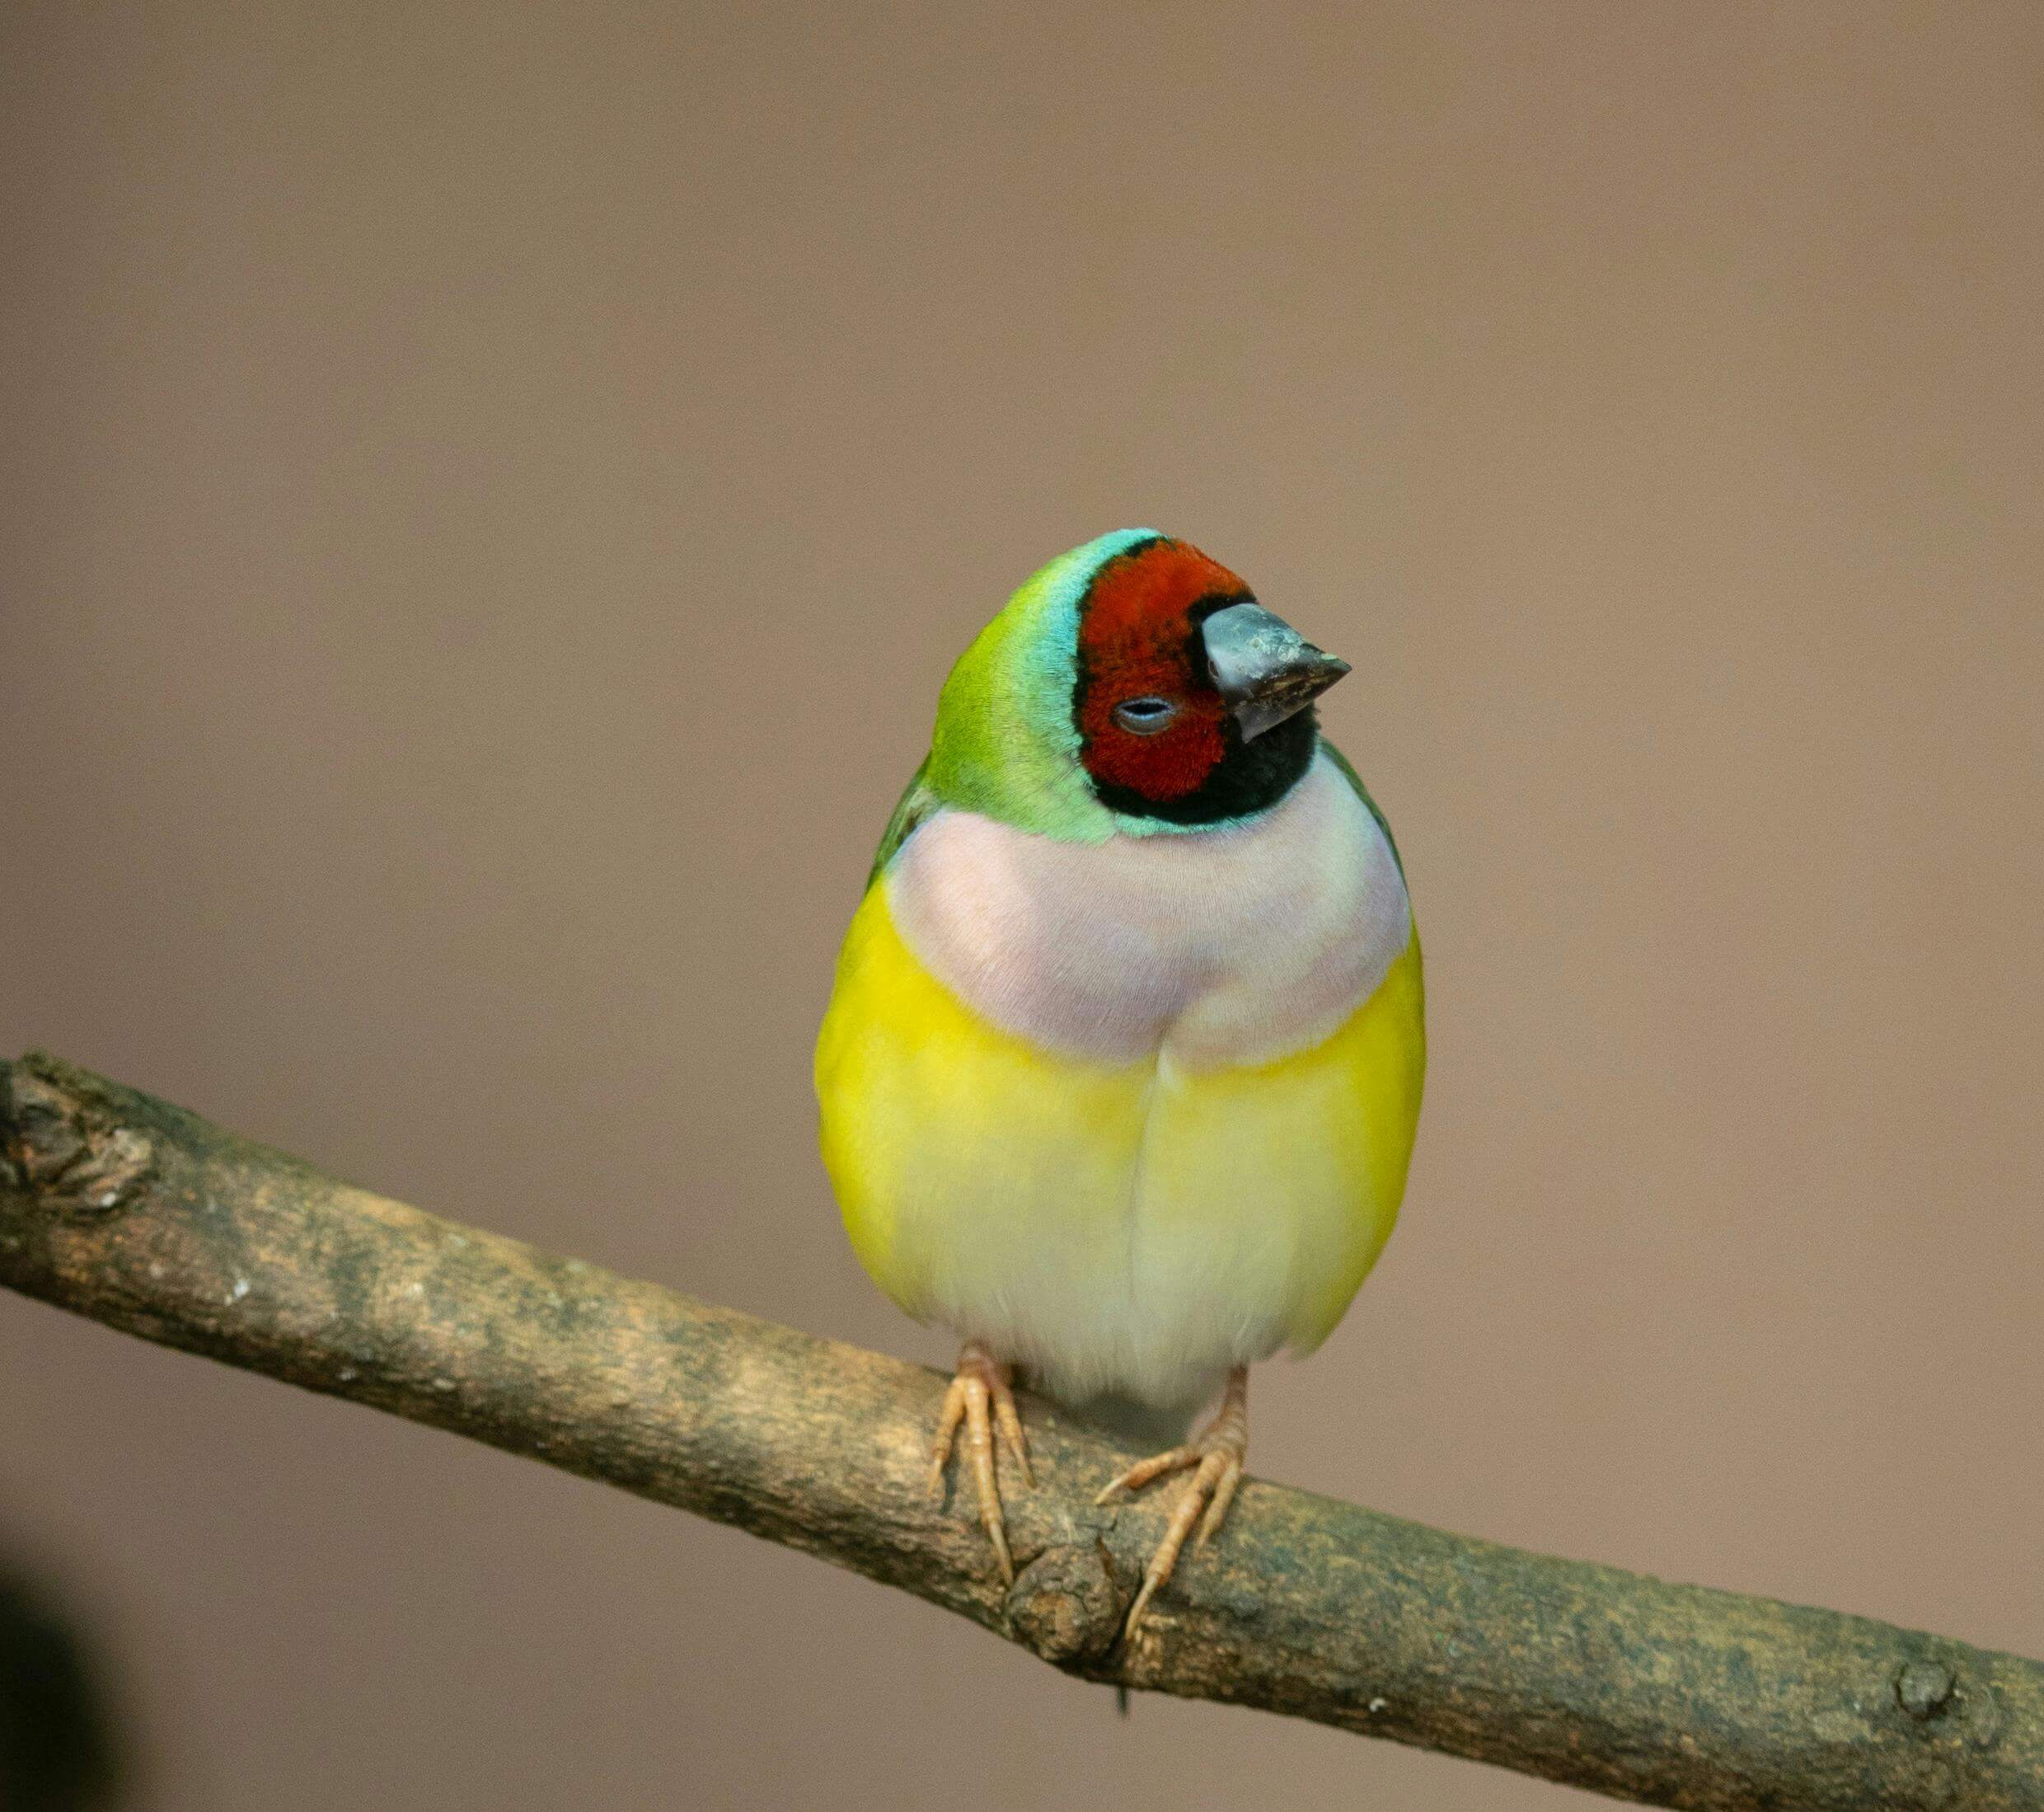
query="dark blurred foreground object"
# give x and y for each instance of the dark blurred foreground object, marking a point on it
(57, 1748)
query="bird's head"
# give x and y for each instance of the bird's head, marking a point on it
(1133, 685)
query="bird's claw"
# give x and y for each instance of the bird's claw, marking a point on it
(982, 1398)
(1215, 1460)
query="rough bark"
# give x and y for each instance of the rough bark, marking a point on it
(139, 1214)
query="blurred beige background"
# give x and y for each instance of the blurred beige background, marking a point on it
(489, 495)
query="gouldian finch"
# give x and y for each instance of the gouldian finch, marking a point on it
(1121, 1072)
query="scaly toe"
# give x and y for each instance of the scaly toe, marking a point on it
(1215, 1460)
(979, 1399)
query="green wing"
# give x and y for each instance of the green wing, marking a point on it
(916, 804)
(1355, 780)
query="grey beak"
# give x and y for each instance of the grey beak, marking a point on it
(1264, 670)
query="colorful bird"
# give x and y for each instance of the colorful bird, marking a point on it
(1121, 1073)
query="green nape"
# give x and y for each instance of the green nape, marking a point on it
(1005, 746)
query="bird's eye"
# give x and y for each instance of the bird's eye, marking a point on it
(1146, 716)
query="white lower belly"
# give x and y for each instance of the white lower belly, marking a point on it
(1163, 1328)
(1150, 1270)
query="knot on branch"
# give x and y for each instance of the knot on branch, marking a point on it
(62, 1143)
(1064, 1606)
(1925, 1689)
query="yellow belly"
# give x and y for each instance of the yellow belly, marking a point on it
(1136, 1228)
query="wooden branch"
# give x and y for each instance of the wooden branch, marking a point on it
(139, 1214)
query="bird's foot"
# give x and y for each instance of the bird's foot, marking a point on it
(1214, 1459)
(981, 1398)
